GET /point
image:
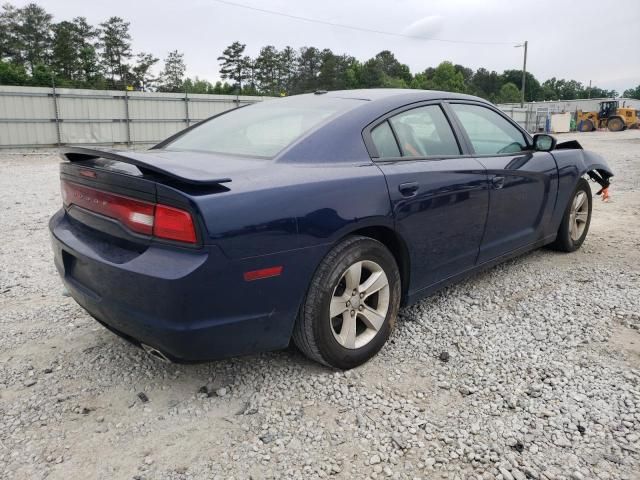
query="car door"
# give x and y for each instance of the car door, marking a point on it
(439, 197)
(523, 183)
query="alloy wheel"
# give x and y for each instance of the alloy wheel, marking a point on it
(359, 304)
(579, 215)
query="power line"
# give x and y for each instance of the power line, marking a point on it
(353, 27)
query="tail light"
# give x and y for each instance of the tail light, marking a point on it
(146, 218)
(174, 224)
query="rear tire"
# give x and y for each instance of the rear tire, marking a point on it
(351, 306)
(577, 218)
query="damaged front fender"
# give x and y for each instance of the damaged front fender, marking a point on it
(597, 168)
(573, 163)
(571, 156)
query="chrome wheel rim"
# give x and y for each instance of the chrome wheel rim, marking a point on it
(579, 215)
(359, 304)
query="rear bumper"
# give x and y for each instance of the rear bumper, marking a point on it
(190, 305)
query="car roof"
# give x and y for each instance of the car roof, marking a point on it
(373, 94)
(341, 136)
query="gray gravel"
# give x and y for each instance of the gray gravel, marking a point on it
(530, 370)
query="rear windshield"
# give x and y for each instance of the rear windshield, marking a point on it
(262, 129)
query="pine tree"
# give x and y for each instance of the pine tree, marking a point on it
(65, 58)
(116, 48)
(33, 39)
(8, 34)
(232, 63)
(172, 77)
(142, 78)
(268, 70)
(309, 63)
(89, 68)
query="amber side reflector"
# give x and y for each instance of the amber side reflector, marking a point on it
(263, 273)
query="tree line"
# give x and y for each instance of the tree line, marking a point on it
(35, 50)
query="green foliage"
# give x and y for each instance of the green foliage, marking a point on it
(632, 93)
(74, 56)
(508, 93)
(42, 75)
(233, 64)
(309, 63)
(384, 70)
(445, 77)
(595, 92)
(11, 74)
(486, 84)
(172, 77)
(142, 79)
(266, 70)
(9, 23)
(116, 48)
(33, 41)
(532, 88)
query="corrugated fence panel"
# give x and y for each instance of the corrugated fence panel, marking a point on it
(27, 134)
(27, 103)
(40, 116)
(94, 133)
(153, 132)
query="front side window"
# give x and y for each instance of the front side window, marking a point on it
(488, 131)
(424, 132)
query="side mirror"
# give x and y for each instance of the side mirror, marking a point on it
(543, 142)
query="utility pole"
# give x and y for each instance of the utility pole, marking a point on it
(524, 73)
(589, 91)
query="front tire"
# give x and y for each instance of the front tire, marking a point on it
(351, 306)
(577, 218)
(586, 126)
(615, 124)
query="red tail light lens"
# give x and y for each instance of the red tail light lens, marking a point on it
(139, 216)
(174, 224)
(136, 215)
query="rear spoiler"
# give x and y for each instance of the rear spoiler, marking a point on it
(146, 162)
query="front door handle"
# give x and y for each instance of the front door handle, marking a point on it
(408, 189)
(497, 182)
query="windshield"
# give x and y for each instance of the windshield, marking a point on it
(262, 129)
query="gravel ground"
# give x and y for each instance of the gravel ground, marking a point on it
(542, 378)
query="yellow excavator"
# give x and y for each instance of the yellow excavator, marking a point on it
(610, 116)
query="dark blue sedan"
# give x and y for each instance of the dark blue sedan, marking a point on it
(313, 217)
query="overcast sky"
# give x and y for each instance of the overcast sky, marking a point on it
(563, 35)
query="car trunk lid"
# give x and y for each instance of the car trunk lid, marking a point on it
(138, 197)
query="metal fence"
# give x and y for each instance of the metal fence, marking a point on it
(532, 118)
(50, 117)
(522, 116)
(534, 115)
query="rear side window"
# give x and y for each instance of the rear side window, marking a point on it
(424, 132)
(262, 129)
(489, 132)
(384, 141)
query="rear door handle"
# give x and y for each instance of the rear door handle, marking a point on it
(497, 182)
(408, 189)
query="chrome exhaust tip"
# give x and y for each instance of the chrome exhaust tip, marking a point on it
(154, 352)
